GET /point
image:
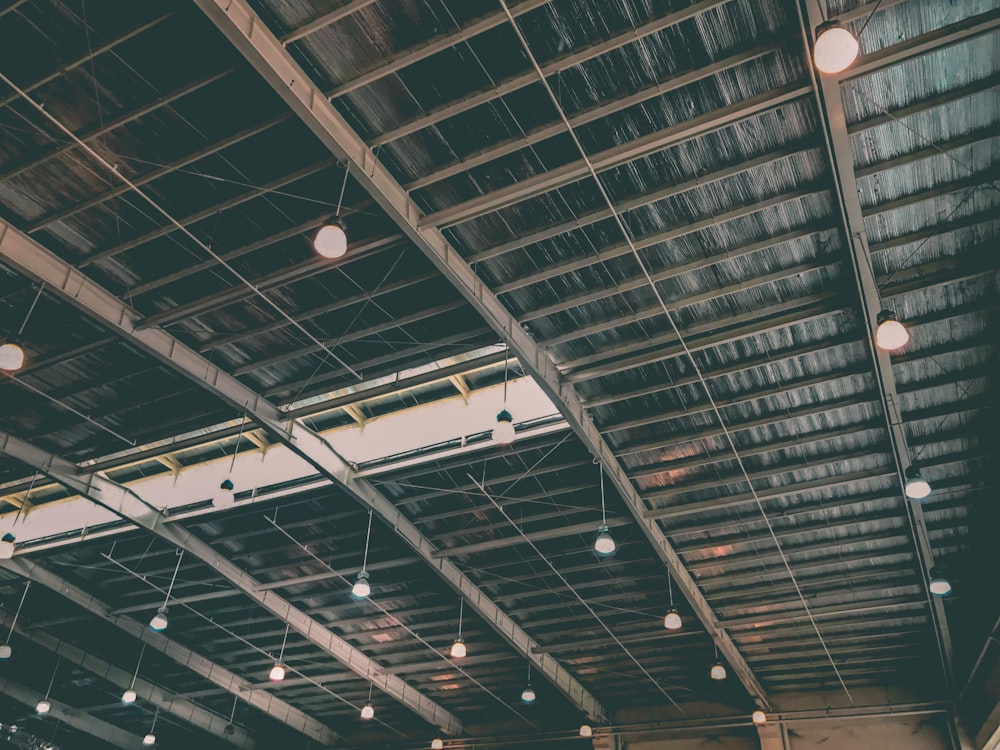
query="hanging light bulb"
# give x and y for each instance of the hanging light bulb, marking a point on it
(835, 49)
(362, 588)
(718, 671)
(159, 621)
(586, 730)
(604, 544)
(11, 356)
(225, 496)
(277, 673)
(759, 718)
(458, 650)
(129, 697)
(368, 712)
(528, 694)
(7, 546)
(331, 239)
(890, 334)
(437, 744)
(917, 488)
(939, 584)
(43, 707)
(503, 432)
(149, 740)
(673, 620)
(5, 652)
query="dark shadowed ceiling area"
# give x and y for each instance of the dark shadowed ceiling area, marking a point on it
(651, 230)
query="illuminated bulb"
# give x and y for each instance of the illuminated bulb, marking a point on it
(225, 496)
(43, 707)
(128, 697)
(672, 621)
(836, 48)
(331, 239)
(159, 622)
(458, 650)
(939, 586)
(718, 672)
(368, 712)
(759, 718)
(917, 488)
(7, 546)
(604, 545)
(277, 673)
(5, 652)
(528, 694)
(362, 587)
(586, 731)
(503, 432)
(149, 740)
(437, 744)
(890, 334)
(11, 357)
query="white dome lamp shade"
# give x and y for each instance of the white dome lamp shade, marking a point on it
(437, 744)
(43, 707)
(5, 652)
(586, 730)
(503, 431)
(759, 718)
(331, 239)
(672, 621)
(939, 584)
(458, 649)
(718, 671)
(917, 488)
(362, 587)
(149, 740)
(277, 673)
(7, 546)
(11, 356)
(890, 334)
(129, 697)
(835, 48)
(159, 621)
(528, 694)
(604, 544)
(367, 712)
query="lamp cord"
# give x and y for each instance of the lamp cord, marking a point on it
(343, 187)
(368, 536)
(236, 449)
(284, 640)
(173, 578)
(670, 588)
(506, 366)
(142, 651)
(52, 679)
(17, 614)
(868, 20)
(461, 610)
(604, 515)
(31, 309)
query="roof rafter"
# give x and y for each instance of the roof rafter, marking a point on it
(251, 37)
(218, 675)
(30, 258)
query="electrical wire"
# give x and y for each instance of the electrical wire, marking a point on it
(177, 224)
(680, 338)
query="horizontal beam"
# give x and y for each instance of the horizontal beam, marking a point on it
(534, 536)
(528, 78)
(218, 675)
(75, 718)
(146, 691)
(250, 35)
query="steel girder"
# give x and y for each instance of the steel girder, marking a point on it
(146, 691)
(252, 38)
(30, 258)
(274, 707)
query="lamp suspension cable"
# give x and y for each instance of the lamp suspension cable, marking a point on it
(31, 309)
(129, 696)
(236, 448)
(5, 648)
(368, 536)
(682, 341)
(343, 186)
(173, 578)
(461, 611)
(284, 640)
